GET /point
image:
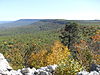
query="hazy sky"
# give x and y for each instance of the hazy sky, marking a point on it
(49, 9)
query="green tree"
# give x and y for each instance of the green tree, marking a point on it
(70, 35)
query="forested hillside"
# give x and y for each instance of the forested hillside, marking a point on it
(52, 41)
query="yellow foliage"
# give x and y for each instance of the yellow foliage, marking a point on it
(38, 59)
(98, 32)
(57, 53)
(96, 58)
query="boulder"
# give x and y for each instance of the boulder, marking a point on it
(14, 72)
(51, 68)
(95, 67)
(4, 65)
(83, 73)
(45, 73)
(94, 73)
(28, 71)
(87, 73)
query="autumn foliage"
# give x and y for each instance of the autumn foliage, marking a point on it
(85, 55)
(96, 37)
(69, 67)
(57, 53)
(96, 49)
(38, 59)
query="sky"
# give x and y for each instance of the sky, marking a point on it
(49, 9)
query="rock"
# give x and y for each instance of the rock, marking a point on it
(51, 68)
(37, 72)
(83, 73)
(4, 65)
(43, 73)
(94, 73)
(48, 70)
(95, 67)
(87, 73)
(33, 69)
(5, 73)
(13, 72)
(19, 70)
(94, 70)
(6, 69)
(25, 70)
(28, 71)
(44, 68)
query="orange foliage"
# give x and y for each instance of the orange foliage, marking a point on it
(96, 37)
(84, 55)
(81, 45)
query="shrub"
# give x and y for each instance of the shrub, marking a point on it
(69, 67)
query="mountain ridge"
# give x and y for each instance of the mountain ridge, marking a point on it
(20, 22)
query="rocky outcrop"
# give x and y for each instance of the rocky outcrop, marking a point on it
(48, 70)
(94, 70)
(4, 65)
(6, 69)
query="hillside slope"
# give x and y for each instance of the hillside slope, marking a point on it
(21, 22)
(37, 25)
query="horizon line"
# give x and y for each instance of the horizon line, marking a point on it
(48, 18)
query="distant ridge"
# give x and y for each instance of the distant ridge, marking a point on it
(20, 22)
(47, 22)
(28, 19)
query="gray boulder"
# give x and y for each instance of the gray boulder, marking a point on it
(52, 68)
(83, 73)
(48, 70)
(95, 67)
(4, 65)
(94, 73)
(28, 71)
(14, 72)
